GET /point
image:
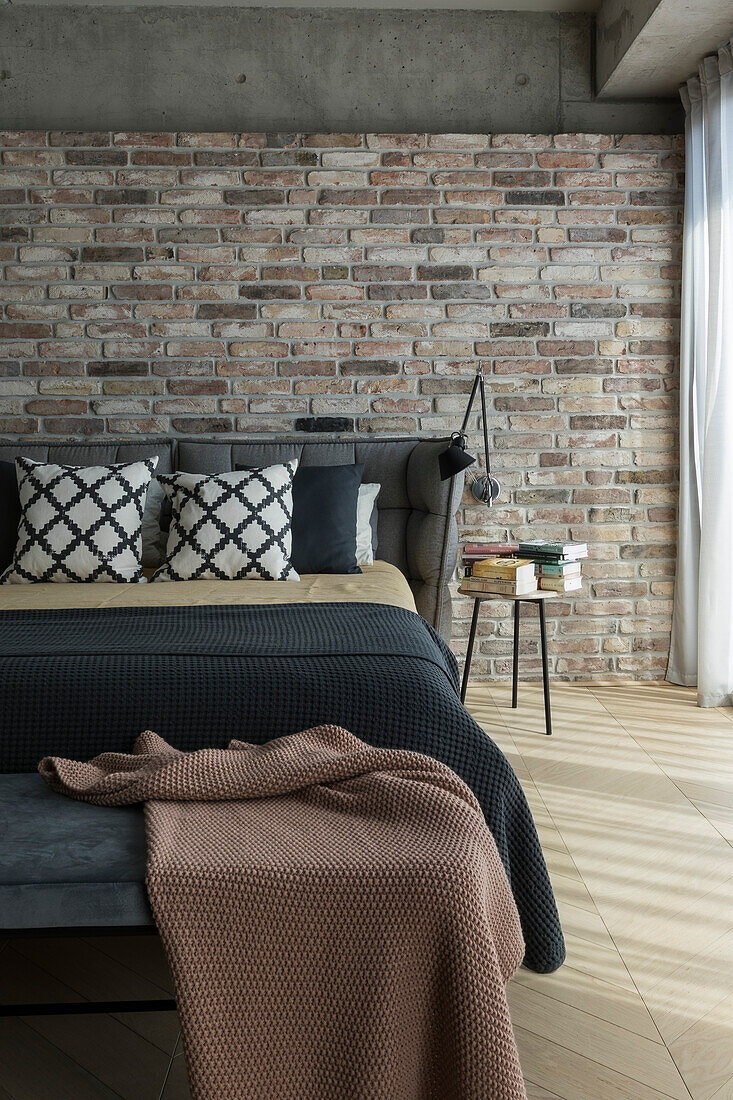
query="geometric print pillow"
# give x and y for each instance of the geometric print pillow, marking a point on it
(79, 523)
(230, 526)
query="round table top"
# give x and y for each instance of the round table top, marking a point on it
(540, 594)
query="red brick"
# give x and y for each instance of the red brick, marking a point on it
(396, 160)
(62, 196)
(238, 158)
(202, 425)
(79, 138)
(398, 179)
(201, 387)
(308, 367)
(400, 405)
(364, 273)
(333, 141)
(290, 273)
(23, 331)
(73, 425)
(346, 197)
(55, 407)
(395, 141)
(18, 425)
(139, 139)
(582, 141)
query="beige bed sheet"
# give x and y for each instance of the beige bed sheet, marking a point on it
(378, 583)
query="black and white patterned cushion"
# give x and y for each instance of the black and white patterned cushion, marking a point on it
(231, 526)
(79, 523)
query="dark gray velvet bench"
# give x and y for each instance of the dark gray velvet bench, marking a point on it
(68, 868)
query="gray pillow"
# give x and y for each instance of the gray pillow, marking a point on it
(155, 537)
(366, 523)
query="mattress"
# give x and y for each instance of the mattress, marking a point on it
(380, 583)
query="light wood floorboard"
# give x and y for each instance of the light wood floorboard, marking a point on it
(633, 800)
(633, 796)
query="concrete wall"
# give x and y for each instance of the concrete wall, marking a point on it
(182, 68)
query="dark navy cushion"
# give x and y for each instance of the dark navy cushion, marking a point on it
(9, 513)
(66, 864)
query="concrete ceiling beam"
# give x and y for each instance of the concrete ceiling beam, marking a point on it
(354, 5)
(650, 47)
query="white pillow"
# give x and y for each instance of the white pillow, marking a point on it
(79, 523)
(364, 536)
(230, 526)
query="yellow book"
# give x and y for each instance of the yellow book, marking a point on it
(561, 584)
(497, 586)
(519, 570)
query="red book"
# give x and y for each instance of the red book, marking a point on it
(489, 549)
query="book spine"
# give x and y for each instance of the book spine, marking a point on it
(504, 588)
(558, 584)
(562, 549)
(490, 549)
(552, 559)
(503, 574)
(561, 569)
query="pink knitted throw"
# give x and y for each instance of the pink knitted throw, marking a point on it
(336, 916)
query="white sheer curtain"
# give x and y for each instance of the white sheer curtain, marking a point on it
(702, 626)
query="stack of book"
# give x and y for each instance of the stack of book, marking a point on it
(478, 551)
(501, 575)
(558, 563)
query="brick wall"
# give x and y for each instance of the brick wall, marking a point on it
(226, 283)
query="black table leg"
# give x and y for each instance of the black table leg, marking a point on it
(469, 651)
(515, 655)
(545, 671)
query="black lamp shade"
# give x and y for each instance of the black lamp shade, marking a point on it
(454, 459)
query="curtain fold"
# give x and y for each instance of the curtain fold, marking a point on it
(701, 651)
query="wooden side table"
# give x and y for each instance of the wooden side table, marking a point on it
(539, 598)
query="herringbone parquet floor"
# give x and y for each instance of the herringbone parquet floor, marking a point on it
(633, 796)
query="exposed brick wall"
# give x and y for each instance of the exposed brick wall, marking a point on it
(206, 283)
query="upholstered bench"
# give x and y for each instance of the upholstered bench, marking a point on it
(69, 868)
(66, 864)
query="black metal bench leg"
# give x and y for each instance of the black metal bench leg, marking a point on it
(545, 670)
(85, 1008)
(515, 655)
(469, 651)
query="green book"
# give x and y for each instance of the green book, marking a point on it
(559, 569)
(543, 547)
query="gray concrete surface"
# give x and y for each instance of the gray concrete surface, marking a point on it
(420, 5)
(649, 47)
(307, 69)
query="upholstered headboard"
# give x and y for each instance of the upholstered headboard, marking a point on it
(417, 528)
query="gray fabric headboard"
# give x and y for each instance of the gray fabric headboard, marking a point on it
(417, 528)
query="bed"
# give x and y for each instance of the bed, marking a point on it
(85, 668)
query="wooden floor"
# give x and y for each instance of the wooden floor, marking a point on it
(633, 798)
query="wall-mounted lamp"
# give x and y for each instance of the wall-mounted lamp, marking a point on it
(454, 459)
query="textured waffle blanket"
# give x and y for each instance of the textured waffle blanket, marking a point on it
(76, 682)
(337, 917)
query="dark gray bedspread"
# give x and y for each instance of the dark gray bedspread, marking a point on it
(77, 683)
